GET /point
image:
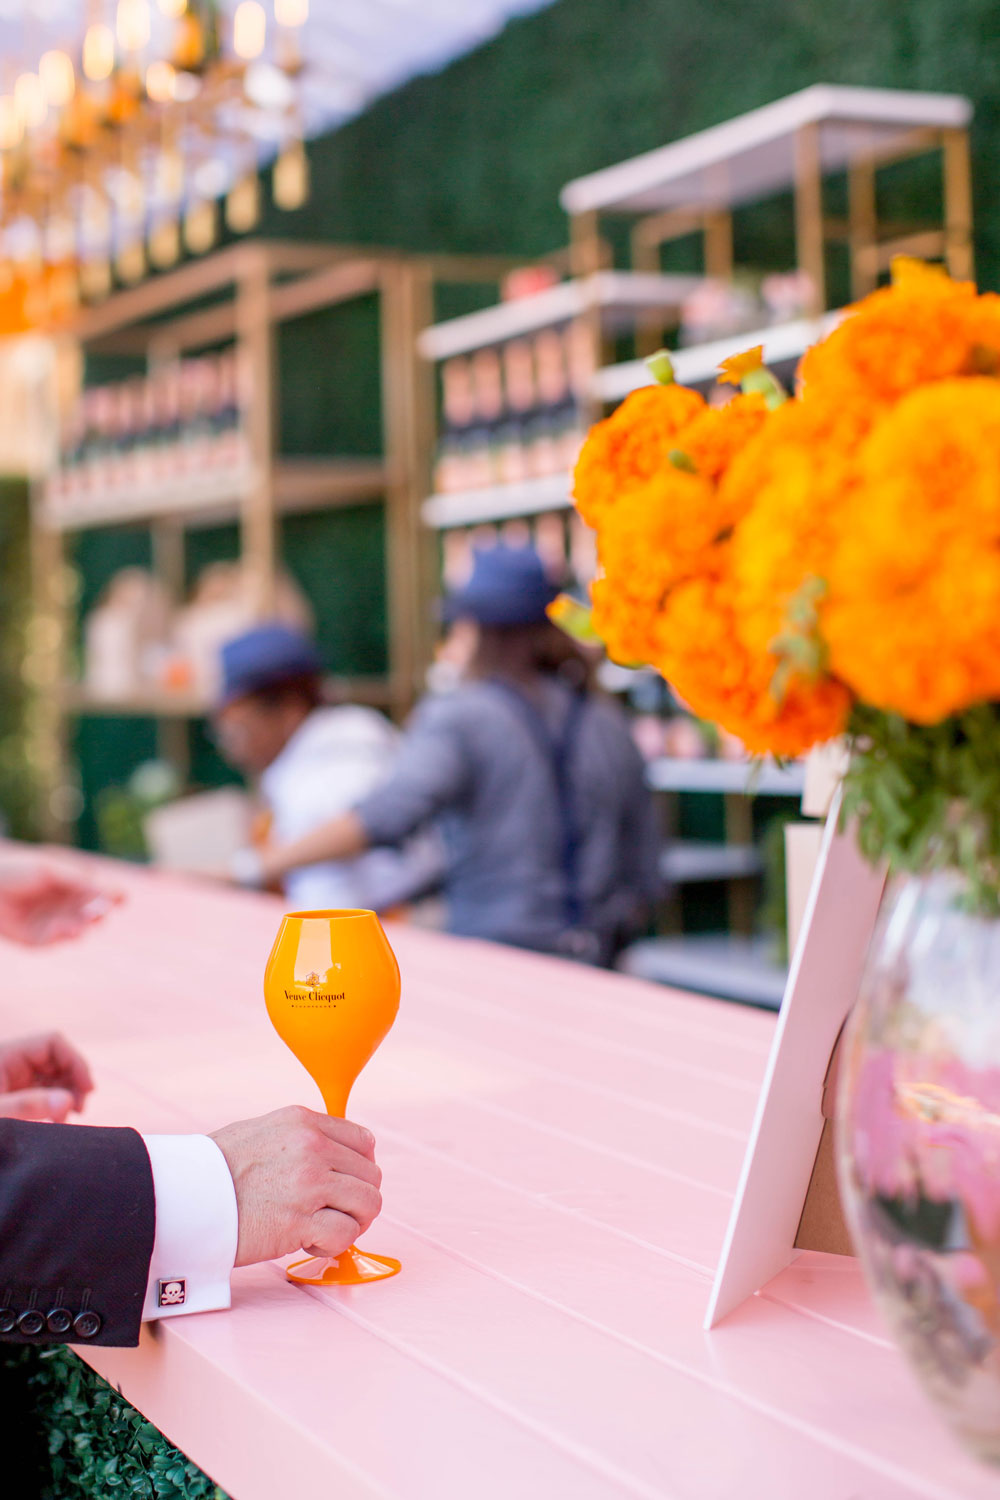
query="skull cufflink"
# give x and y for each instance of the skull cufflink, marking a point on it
(171, 1293)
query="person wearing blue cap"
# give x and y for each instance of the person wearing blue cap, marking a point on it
(532, 779)
(311, 762)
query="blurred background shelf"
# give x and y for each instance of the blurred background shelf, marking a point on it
(783, 343)
(75, 698)
(741, 778)
(615, 297)
(498, 502)
(210, 499)
(730, 967)
(694, 861)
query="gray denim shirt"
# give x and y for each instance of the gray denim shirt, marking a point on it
(470, 762)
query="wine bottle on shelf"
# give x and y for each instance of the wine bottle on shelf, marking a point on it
(147, 435)
(519, 393)
(553, 387)
(452, 469)
(69, 480)
(227, 422)
(194, 427)
(456, 558)
(167, 383)
(582, 365)
(582, 550)
(487, 381)
(88, 459)
(551, 543)
(125, 436)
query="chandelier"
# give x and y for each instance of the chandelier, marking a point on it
(122, 151)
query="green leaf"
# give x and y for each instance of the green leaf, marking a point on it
(681, 460)
(661, 367)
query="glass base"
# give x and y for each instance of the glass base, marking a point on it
(350, 1269)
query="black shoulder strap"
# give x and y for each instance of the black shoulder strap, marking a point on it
(557, 751)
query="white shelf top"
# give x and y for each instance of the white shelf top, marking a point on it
(753, 156)
(207, 496)
(200, 490)
(733, 968)
(498, 502)
(614, 292)
(742, 777)
(781, 342)
(696, 861)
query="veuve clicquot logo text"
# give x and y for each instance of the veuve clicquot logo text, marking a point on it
(313, 983)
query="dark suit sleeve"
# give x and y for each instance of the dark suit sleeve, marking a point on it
(77, 1223)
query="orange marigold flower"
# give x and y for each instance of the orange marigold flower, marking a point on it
(913, 616)
(700, 652)
(631, 446)
(733, 369)
(787, 490)
(923, 328)
(719, 433)
(656, 534)
(624, 630)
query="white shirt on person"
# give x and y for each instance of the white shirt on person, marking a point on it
(336, 757)
(197, 1227)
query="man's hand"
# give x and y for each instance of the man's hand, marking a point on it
(41, 903)
(303, 1181)
(42, 1078)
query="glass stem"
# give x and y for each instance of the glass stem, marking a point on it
(336, 1102)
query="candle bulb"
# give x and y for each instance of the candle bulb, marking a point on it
(29, 98)
(55, 69)
(291, 12)
(133, 25)
(249, 29)
(98, 53)
(10, 123)
(160, 79)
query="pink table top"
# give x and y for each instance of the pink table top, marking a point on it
(560, 1149)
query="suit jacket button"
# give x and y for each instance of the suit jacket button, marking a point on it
(8, 1320)
(31, 1321)
(59, 1320)
(87, 1324)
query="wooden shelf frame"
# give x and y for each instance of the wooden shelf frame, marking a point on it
(693, 185)
(77, 700)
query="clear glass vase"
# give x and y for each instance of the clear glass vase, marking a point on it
(918, 1132)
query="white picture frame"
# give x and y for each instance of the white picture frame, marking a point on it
(784, 1143)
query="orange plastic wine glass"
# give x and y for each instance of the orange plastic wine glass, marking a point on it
(332, 992)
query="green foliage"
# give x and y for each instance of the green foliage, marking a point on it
(17, 782)
(773, 914)
(121, 811)
(98, 1446)
(928, 796)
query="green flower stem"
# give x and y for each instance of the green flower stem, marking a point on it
(927, 797)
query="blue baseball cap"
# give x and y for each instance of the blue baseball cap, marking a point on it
(265, 657)
(509, 586)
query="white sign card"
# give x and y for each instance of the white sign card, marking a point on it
(784, 1155)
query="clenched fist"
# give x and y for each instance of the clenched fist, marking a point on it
(303, 1181)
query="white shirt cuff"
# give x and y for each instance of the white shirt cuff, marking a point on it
(197, 1226)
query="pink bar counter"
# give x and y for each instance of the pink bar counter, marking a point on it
(560, 1149)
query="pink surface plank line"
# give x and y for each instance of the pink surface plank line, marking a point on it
(559, 1148)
